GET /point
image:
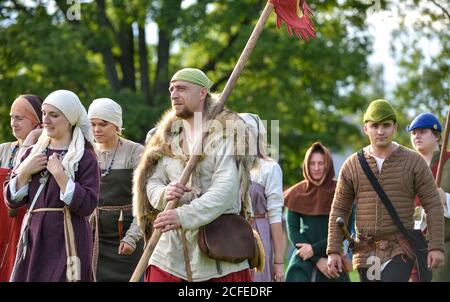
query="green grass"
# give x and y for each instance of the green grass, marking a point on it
(354, 276)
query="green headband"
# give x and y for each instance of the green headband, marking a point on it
(379, 111)
(193, 75)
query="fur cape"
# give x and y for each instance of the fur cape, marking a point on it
(159, 145)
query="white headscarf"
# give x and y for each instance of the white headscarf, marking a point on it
(255, 123)
(257, 130)
(107, 110)
(69, 104)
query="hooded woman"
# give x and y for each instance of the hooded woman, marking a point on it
(117, 245)
(58, 181)
(309, 205)
(25, 116)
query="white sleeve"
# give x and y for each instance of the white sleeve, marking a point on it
(273, 186)
(219, 197)
(447, 206)
(68, 194)
(134, 234)
(21, 193)
(156, 187)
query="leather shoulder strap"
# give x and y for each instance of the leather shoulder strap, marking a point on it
(384, 198)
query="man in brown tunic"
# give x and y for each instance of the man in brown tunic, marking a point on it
(403, 174)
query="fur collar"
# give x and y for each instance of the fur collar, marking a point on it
(159, 145)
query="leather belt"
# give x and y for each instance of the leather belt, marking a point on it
(370, 243)
(261, 215)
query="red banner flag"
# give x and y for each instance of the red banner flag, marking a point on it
(296, 14)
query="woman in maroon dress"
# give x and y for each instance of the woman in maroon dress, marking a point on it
(58, 180)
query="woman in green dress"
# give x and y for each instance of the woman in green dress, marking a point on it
(308, 207)
(117, 238)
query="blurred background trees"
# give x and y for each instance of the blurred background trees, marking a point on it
(127, 50)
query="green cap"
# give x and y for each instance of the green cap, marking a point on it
(379, 111)
(193, 75)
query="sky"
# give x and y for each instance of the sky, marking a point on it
(381, 25)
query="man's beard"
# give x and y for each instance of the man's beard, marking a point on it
(184, 114)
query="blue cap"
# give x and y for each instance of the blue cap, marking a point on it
(425, 120)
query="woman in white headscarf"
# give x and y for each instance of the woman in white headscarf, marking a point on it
(266, 192)
(58, 180)
(117, 245)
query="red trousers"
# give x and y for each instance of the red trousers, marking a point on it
(155, 274)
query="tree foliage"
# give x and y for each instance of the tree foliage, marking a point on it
(422, 48)
(316, 90)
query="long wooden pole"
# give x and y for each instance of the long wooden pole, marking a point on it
(143, 262)
(443, 149)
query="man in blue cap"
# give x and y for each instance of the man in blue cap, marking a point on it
(426, 132)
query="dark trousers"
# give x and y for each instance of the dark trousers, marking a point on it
(397, 270)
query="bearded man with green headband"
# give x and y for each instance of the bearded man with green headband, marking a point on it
(381, 253)
(217, 186)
